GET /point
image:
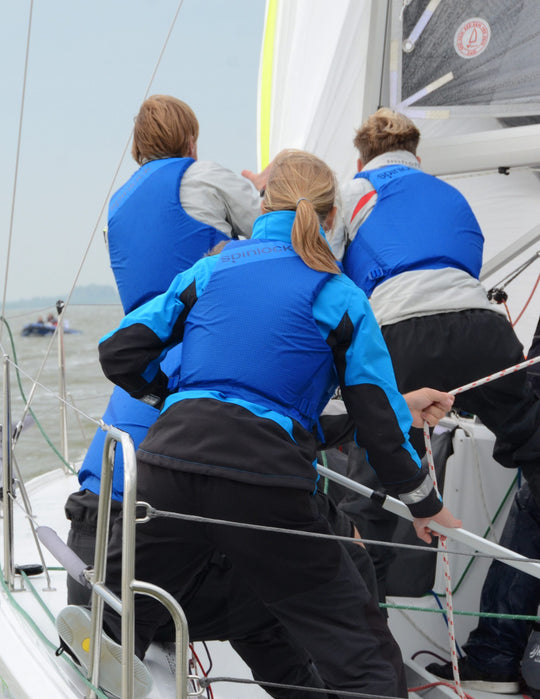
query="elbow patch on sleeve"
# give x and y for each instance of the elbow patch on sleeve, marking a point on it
(188, 297)
(118, 356)
(339, 340)
(374, 416)
(379, 431)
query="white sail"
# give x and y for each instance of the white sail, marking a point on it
(327, 64)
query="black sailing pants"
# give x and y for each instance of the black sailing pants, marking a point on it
(446, 351)
(310, 586)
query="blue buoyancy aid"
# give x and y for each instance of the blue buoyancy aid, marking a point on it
(289, 367)
(127, 414)
(151, 237)
(418, 222)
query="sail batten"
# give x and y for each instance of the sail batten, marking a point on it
(487, 45)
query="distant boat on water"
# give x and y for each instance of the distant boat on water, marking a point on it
(38, 329)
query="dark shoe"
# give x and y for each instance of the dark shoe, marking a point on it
(471, 678)
(73, 624)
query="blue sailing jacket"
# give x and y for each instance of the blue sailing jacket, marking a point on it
(288, 344)
(147, 206)
(265, 342)
(418, 222)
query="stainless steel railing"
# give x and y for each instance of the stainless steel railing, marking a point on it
(7, 480)
(129, 586)
(100, 593)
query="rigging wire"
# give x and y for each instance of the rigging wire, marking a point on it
(514, 485)
(151, 513)
(115, 176)
(17, 160)
(497, 294)
(27, 409)
(196, 662)
(516, 272)
(101, 212)
(97, 423)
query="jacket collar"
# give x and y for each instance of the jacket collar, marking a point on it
(394, 157)
(276, 225)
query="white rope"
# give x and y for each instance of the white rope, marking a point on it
(497, 375)
(442, 539)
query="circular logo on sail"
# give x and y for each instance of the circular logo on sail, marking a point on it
(472, 37)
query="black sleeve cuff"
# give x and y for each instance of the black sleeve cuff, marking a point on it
(428, 507)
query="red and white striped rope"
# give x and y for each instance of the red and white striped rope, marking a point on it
(442, 539)
(497, 375)
(447, 577)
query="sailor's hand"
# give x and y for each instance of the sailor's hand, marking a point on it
(259, 179)
(444, 517)
(427, 404)
(358, 537)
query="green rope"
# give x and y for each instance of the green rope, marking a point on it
(44, 638)
(325, 479)
(488, 615)
(19, 382)
(38, 597)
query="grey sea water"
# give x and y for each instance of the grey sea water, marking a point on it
(37, 359)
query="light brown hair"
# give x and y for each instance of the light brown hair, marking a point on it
(384, 131)
(301, 182)
(165, 127)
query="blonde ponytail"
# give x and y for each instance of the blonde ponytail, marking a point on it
(301, 182)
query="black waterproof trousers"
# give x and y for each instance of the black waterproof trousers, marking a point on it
(447, 351)
(496, 646)
(310, 587)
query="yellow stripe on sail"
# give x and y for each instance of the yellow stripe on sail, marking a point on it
(265, 84)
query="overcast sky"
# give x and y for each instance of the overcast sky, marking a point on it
(89, 67)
